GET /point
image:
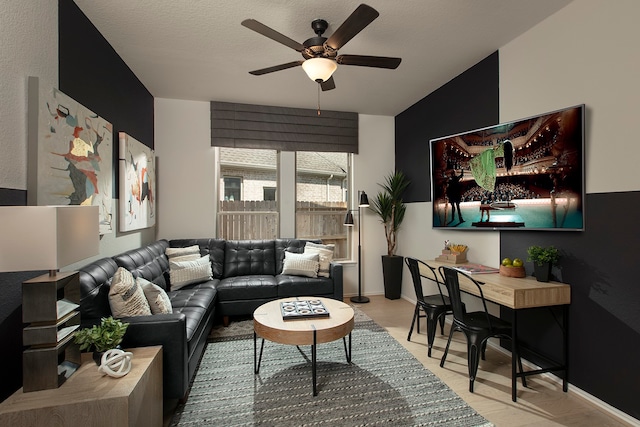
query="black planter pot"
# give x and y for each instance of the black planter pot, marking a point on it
(542, 271)
(392, 275)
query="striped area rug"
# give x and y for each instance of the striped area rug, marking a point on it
(384, 386)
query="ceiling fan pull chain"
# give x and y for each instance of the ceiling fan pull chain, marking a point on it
(318, 98)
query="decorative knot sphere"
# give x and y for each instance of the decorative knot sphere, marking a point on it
(115, 363)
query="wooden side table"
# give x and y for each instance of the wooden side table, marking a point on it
(89, 399)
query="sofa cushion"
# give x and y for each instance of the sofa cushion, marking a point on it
(148, 261)
(297, 286)
(212, 247)
(247, 287)
(301, 264)
(288, 245)
(325, 252)
(195, 302)
(201, 295)
(187, 272)
(157, 298)
(249, 257)
(95, 279)
(189, 253)
(126, 297)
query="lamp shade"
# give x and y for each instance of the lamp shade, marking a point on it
(47, 237)
(348, 219)
(364, 200)
(319, 69)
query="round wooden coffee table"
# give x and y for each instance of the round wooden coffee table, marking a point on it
(269, 324)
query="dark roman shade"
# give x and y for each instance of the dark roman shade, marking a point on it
(282, 128)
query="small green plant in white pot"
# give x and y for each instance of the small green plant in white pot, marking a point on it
(543, 258)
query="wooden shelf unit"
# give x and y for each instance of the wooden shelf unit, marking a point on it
(50, 313)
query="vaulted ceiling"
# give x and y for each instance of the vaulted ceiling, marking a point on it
(198, 50)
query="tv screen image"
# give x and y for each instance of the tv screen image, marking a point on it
(527, 174)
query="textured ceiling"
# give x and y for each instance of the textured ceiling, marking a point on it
(197, 49)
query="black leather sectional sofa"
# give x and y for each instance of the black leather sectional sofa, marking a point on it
(246, 274)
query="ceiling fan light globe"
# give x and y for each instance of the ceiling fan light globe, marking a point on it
(319, 68)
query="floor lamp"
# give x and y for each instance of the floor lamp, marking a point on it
(348, 221)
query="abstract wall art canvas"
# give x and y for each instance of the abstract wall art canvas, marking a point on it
(137, 184)
(70, 160)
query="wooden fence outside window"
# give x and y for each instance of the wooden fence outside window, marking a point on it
(256, 220)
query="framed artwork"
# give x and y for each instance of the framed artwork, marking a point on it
(137, 184)
(70, 153)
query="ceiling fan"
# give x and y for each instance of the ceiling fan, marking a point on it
(320, 53)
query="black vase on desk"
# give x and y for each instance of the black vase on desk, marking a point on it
(542, 271)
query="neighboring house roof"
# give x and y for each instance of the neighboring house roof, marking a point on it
(307, 162)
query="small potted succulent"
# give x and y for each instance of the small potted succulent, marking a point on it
(543, 258)
(101, 338)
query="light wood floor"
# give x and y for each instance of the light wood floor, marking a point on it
(542, 403)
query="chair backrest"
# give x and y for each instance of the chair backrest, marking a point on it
(417, 275)
(452, 282)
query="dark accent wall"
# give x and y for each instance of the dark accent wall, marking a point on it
(12, 197)
(469, 101)
(604, 319)
(604, 325)
(282, 128)
(92, 73)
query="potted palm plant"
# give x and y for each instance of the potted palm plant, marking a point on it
(101, 338)
(543, 258)
(389, 206)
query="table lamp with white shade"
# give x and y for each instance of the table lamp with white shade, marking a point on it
(35, 238)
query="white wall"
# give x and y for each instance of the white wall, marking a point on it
(29, 47)
(585, 53)
(375, 160)
(186, 169)
(419, 240)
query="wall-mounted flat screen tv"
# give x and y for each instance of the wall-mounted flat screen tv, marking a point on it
(527, 174)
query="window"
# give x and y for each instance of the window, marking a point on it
(245, 210)
(321, 198)
(232, 187)
(250, 199)
(269, 193)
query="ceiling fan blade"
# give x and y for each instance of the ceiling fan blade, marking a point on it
(356, 22)
(276, 68)
(259, 27)
(328, 84)
(369, 61)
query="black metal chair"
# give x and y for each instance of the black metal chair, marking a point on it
(435, 306)
(477, 326)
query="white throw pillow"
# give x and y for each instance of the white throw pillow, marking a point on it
(156, 297)
(126, 297)
(184, 273)
(188, 253)
(300, 264)
(326, 256)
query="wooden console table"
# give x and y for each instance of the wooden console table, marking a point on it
(518, 294)
(89, 399)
